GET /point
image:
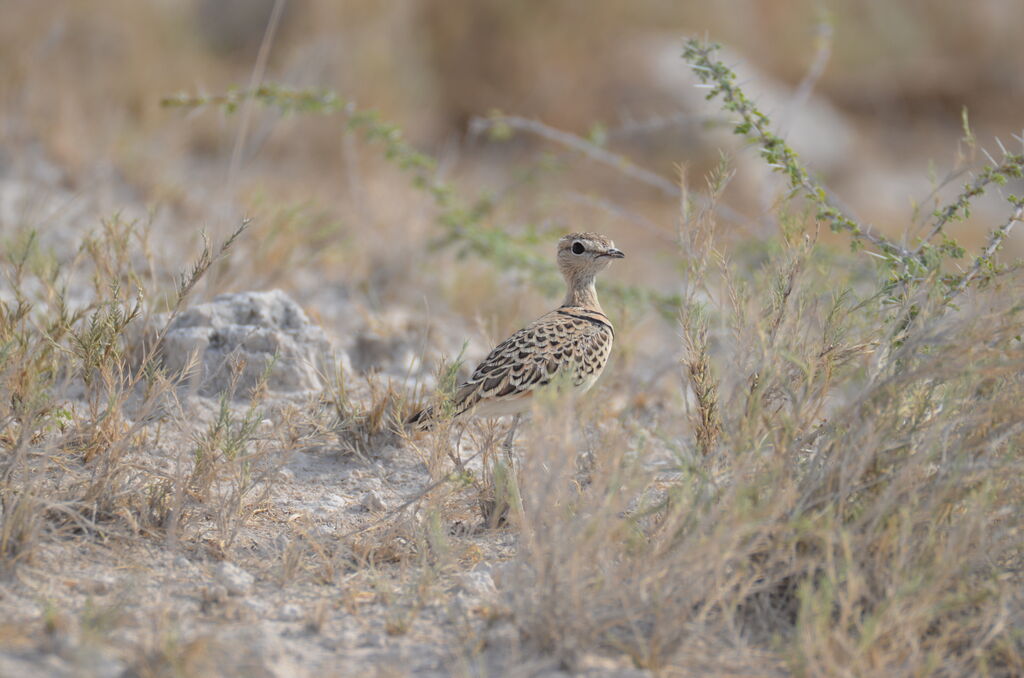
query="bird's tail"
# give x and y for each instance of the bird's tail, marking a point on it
(423, 420)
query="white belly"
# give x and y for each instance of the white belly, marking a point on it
(501, 407)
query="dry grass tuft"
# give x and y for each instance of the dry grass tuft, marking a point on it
(861, 512)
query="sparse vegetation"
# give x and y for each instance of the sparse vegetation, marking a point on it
(805, 460)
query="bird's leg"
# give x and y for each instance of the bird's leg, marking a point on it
(456, 454)
(507, 445)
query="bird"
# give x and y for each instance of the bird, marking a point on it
(571, 343)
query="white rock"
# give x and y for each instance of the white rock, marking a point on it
(332, 502)
(477, 583)
(372, 501)
(237, 581)
(214, 594)
(504, 573)
(255, 606)
(248, 332)
(327, 506)
(252, 650)
(593, 664)
(289, 612)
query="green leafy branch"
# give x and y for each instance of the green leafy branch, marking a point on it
(1012, 167)
(756, 127)
(461, 222)
(985, 267)
(284, 99)
(907, 266)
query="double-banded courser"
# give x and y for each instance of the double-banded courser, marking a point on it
(571, 343)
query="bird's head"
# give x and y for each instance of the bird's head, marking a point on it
(583, 255)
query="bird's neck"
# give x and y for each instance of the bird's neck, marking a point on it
(582, 292)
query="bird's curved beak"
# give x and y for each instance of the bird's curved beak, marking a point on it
(614, 253)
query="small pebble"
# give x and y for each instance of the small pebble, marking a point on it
(477, 583)
(372, 501)
(215, 594)
(237, 581)
(289, 612)
(332, 502)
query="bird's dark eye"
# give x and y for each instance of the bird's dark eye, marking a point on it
(578, 248)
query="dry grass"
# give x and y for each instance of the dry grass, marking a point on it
(793, 466)
(869, 533)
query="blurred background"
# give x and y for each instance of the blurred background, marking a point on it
(872, 94)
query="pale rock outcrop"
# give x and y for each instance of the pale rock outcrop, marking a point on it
(247, 335)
